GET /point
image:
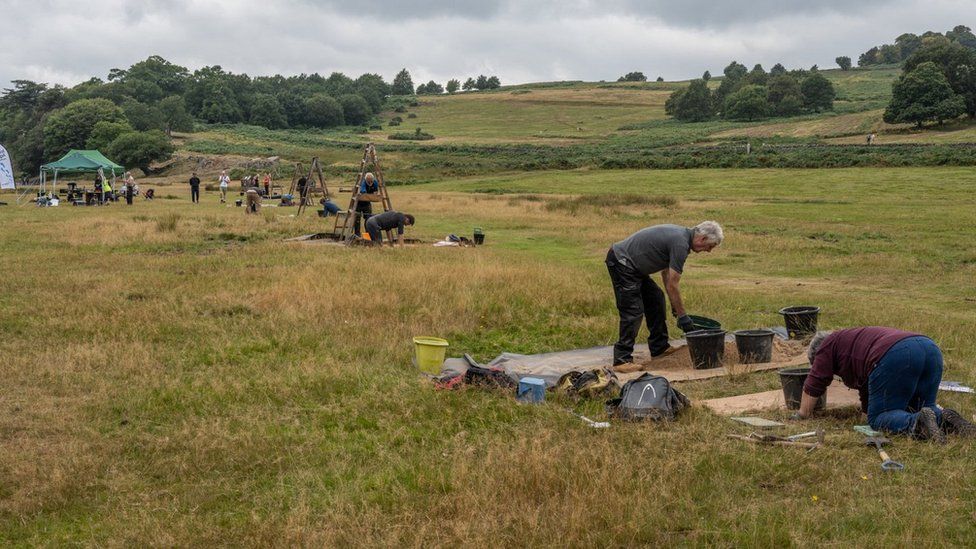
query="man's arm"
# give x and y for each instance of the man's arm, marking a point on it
(671, 278)
(807, 404)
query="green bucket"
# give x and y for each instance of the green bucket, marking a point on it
(430, 353)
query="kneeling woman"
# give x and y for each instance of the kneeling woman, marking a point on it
(896, 373)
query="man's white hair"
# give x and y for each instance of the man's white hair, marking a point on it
(711, 230)
(369, 176)
(815, 343)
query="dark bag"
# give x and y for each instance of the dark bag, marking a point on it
(648, 397)
(488, 376)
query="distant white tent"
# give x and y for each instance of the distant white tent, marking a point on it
(6, 171)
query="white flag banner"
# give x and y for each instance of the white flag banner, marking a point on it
(6, 171)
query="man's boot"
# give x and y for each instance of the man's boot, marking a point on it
(954, 424)
(927, 427)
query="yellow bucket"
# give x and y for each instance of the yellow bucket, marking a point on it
(430, 353)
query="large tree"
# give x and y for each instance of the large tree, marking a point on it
(323, 111)
(692, 104)
(747, 103)
(105, 132)
(266, 111)
(174, 115)
(70, 127)
(784, 95)
(843, 62)
(140, 149)
(143, 117)
(957, 63)
(355, 109)
(923, 95)
(431, 88)
(402, 83)
(818, 92)
(635, 76)
(453, 85)
(373, 89)
(735, 73)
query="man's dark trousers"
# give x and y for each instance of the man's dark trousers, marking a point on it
(195, 194)
(637, 297)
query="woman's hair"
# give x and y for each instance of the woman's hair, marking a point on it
(815, 344)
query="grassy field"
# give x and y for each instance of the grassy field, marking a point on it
(176, 374)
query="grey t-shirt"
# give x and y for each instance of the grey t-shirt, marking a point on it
(655, 248)
(389, 220)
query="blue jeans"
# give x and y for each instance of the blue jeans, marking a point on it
(905, 380)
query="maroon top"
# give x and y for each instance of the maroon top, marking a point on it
(851, 354)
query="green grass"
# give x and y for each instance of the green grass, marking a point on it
(208, 384)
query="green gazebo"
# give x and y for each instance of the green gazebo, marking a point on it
(79, 161)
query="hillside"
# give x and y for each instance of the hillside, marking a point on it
(559, 125)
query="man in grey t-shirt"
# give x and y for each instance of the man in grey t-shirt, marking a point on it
(631, 262)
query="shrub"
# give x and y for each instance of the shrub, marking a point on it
(412, 115)
(418, 135)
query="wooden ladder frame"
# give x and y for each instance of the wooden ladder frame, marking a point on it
(344, 230)
(311, 186)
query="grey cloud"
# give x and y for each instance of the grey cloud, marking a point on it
(690, 13)
(711, 13)
(414, 9)
(51, 40)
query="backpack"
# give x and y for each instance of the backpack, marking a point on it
(648, 397)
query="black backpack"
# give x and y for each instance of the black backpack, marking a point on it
(648, 397)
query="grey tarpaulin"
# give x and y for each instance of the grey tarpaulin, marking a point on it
(552, 366)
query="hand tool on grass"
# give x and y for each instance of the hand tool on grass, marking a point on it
(886, 462)
(756, 438)
(590, 422)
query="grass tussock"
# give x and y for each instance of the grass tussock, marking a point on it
(167, 223)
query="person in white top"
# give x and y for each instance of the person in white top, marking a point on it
(224, 181)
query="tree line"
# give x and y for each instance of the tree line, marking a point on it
(752, 95)
(131, 114)
(908, 43)
(937, 83)
(453, 85)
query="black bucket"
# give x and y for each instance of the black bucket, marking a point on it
(479, 239)
(707, 348)
(792, 380)
(801, 322)
(755, 346)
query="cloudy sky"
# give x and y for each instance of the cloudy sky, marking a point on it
(67, 41)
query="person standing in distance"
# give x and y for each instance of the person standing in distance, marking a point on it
(631, 262)
(195, 188)
(224, 183)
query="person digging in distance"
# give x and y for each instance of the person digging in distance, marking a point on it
(897, 374)
(631, 262)
(387, 221)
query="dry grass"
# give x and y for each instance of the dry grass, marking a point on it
(212, 385)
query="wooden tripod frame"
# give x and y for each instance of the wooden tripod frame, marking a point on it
(311, 185)
(344, 226)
